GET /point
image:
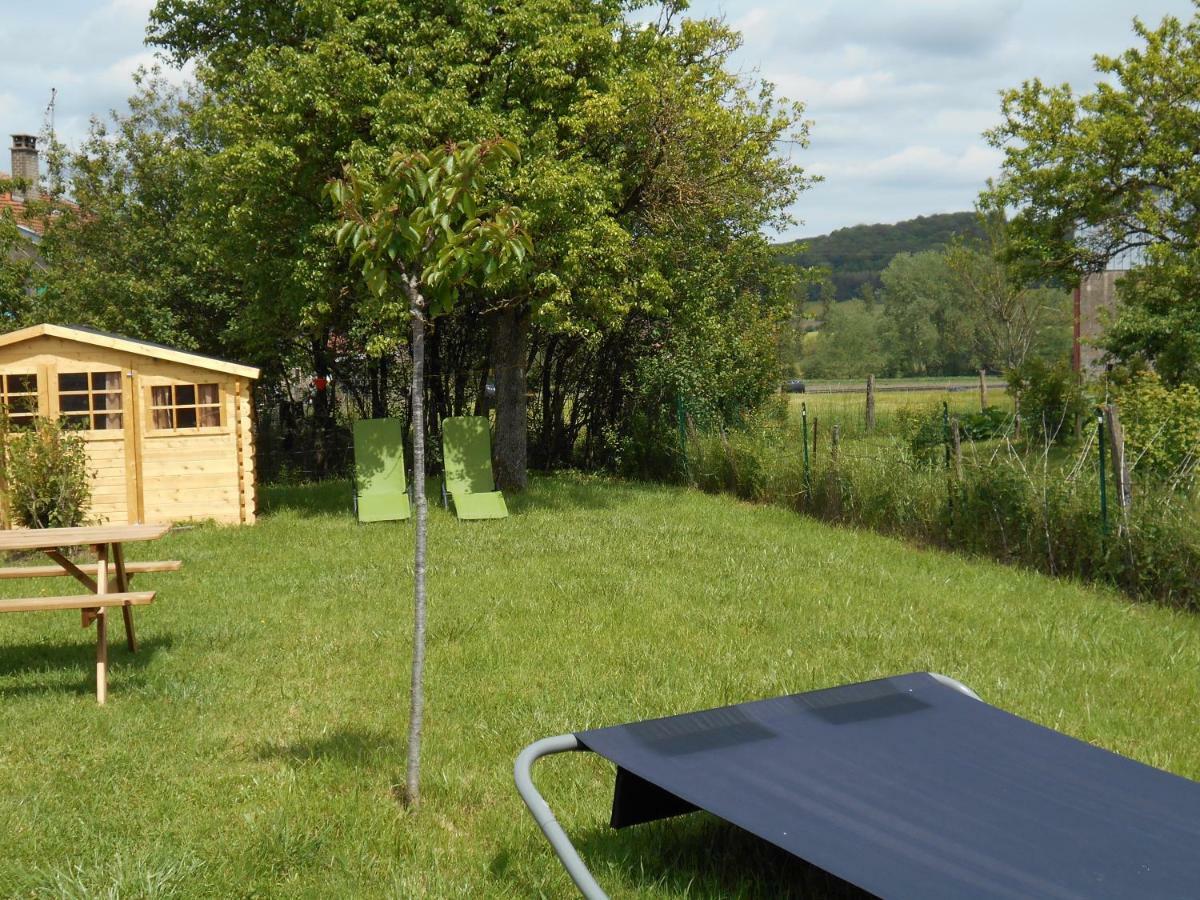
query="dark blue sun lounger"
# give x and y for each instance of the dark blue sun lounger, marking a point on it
(908, 787)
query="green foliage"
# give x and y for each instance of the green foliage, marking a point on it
(129, 254)
(986, 424)
(856, 256)
(1109, 176)
(419, 228)
(1051, 400)
(649, 172)
(929, 329)
(848, 344)
(1015, 509)
(1162, 427)
(48, 480)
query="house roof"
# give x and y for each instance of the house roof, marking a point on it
(86, 335)
(33, 226)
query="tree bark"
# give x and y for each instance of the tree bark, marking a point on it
(510, 339)
(412, 789)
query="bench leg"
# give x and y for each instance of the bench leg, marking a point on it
(101, 656)
(123, 579)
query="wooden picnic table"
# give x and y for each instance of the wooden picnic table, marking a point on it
(107, 541)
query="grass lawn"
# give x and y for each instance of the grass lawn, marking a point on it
(250, 748)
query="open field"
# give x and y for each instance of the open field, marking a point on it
(848, 410)
(250, 749)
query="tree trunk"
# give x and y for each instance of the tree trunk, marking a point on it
(510, 337)
(412, 791)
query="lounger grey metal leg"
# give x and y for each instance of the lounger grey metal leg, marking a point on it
(562, 845)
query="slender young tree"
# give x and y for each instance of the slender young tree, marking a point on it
(418, 233)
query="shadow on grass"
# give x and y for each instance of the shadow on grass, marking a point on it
(321, 498)
(344, 746)
(22, 660)
(704, 857)
(569, 491)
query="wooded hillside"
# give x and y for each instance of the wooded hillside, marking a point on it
(858, 254)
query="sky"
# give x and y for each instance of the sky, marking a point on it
(899, 92)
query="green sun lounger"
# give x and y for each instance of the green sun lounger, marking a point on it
(467, 456)
(380, 492)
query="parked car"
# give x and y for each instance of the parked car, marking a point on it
(794, 386)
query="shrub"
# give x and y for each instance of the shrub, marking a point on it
(1162, 427)
(1051, 399)
(985, 425)
(48, 483)
(1022, 511)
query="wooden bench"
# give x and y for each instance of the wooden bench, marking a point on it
(77, 601)
(131, 568)
(93, 607)
(107, 542)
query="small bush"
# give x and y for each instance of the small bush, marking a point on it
(48, 483)
(1051, 399)
(986, 425)
(1162, 427)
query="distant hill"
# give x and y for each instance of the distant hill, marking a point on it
(857, 255)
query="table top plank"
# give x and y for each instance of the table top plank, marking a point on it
(43, 538)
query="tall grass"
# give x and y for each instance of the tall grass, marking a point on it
(1035, 507)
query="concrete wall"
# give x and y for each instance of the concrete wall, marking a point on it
(1097, 306)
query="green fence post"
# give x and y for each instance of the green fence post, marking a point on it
(804, 429)
(946, 430)
(1103, 483)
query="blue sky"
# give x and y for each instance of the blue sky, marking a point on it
(899, 91)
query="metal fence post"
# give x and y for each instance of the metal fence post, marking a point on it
(1103, 484)
(946, 430)
(804, 431)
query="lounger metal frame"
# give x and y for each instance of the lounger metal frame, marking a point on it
(542, 814)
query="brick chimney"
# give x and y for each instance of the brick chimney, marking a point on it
(25, 165)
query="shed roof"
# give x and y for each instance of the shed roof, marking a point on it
(87, 335)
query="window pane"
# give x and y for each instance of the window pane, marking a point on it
(161, 396)
(73, 402)
(20, 421)
(185, 395)
(73, 381)
(22, 384)
(210, 416)
(185, 416)
(77, 420)
(18, 405)
(208, 393)
(164, 418)
(109, 422)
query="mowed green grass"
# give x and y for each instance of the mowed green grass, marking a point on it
(251, 748)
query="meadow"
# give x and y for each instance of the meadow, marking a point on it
(251, 748)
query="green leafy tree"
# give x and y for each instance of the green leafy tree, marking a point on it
(927, 327)
(1109, 176)
(128, 254)
(1011, 318)
(643, 155)
(848, 344)
(420, 235)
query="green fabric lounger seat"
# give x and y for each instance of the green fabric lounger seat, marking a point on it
(380, 491)
(467, 455)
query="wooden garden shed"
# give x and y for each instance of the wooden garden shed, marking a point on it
(168, 432)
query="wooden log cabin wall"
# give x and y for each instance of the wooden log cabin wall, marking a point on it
(168, 432)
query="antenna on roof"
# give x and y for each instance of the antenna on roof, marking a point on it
(50, 111)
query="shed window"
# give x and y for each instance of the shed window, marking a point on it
(20, 398)
(185, 406)
(90, 399)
